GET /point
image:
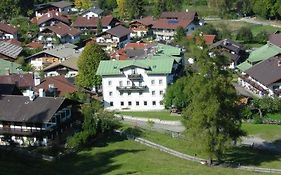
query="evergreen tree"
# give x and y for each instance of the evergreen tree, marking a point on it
(180, 34)
(88, 64)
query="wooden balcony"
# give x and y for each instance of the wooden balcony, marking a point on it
(131, 88)
(18, 131)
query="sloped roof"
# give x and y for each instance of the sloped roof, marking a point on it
(10, 50)
(147, 21)
(61, 51)
(118, 31)
(264, 52)
(95, 10)
(171, 23)
(21, 109)
(11, 66)
(9, 89)
(34, 45)
(61, 4)
(60, 82)
(63, 29)
(154, 66)
(209, 39)
(228, 44)
(69, 63)
(52, 15)
(7, 28)
(93, 21)
(244, 66)
(267, 71)
(179, 15)
(21, 80)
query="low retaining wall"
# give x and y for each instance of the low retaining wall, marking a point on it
(155, 120)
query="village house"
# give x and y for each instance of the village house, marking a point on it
(114, 38)
(92, 12)
(165, 27)
(57, 86)
(36, 121)
(7, 32)
(207, 39)
(263, 53)
(67, 68)
(49, 56)
(63, 7)
(59, 33)
(263, 78)
(141, 27)
(141, 50)
(49, 19)
(137, 84)
(88, 23)
(8, 51)
(234, 52)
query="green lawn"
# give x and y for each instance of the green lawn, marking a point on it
(274, 116)
(258, 28)
(162, 115)
(242, 155)
(111, 156)
(202, 10)
(264, 131)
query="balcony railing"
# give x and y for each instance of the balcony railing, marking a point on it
(18, 131)
(135, 77)
(132, 88)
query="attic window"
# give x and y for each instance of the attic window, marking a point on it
(154, 66)
(115, 67)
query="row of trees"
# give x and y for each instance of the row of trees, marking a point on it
(270, 9)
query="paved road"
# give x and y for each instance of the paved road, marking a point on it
(249, 141)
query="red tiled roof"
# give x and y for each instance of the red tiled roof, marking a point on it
(60, 82)
(121, 53)
(171, 23)
(52, 15)
(13, 41)
(147, 21)
(7, 28)
(63, 29)
(21, 80)
(138, 45)
(35, 45)
(92, 22)
(209, 39)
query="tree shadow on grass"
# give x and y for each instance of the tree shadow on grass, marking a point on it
(87, 162)
(249, 156)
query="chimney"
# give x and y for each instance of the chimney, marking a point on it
(41, 92)
(186, 10)
(117, 56)
(279, 63)
(7, 71)
(37, 81)
(31, 95)
(57, 13)
(48, 14)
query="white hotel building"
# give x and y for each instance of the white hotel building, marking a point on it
(136, 84)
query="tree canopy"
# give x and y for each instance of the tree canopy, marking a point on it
(88, 64)
(211, 116)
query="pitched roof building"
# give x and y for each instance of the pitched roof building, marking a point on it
(7, 31)
(9, 51)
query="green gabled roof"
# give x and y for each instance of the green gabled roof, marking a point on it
(154, 65)
(263, 53)
(168, 50)
(13, 67)
(244, 66)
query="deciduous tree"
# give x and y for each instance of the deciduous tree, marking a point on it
(88, 64)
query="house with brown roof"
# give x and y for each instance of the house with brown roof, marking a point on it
(165, 27)
(59, 33)
(207, 39)
(67, 68)
(263, 78)
(63, 7)
(93, 12)
(116, 37)
(7, 31)
(88, 23)
(56, 86)
(49, 19)
(23, 81)
(33, 120)
(235, 52)
(141, 27)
